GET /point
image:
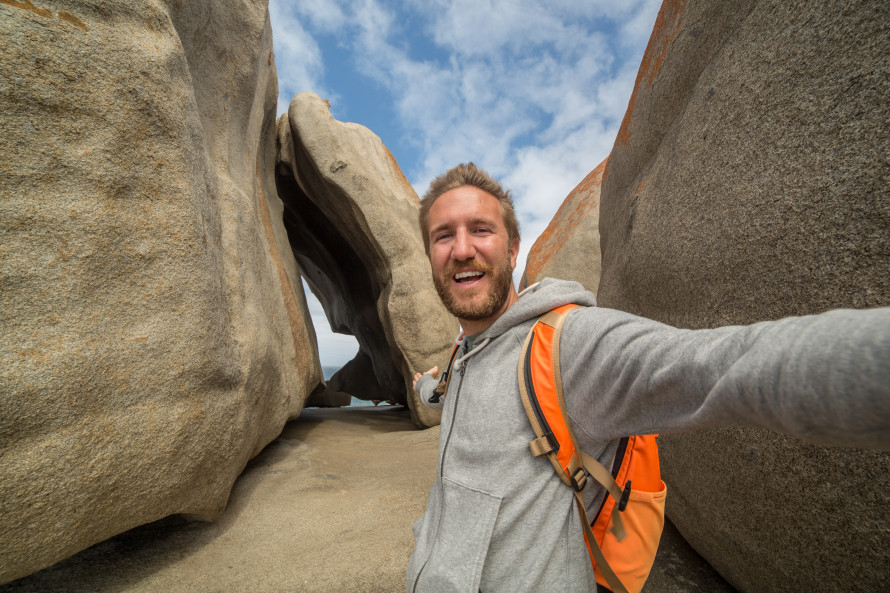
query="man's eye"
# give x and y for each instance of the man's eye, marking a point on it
(442, 236)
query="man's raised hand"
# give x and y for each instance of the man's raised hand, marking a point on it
(433, 371)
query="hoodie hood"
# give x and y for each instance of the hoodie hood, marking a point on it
(537, 300)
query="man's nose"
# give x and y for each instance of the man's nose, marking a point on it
(463, 246)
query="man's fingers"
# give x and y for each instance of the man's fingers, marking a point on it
(433, 371)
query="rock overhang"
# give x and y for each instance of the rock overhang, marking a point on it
(352, 220)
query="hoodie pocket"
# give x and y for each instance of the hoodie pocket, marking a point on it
(458, 546)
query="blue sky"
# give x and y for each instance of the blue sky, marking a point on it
(533, 91)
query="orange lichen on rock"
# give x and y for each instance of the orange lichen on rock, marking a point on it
(397, 171)
(579, 202)
(45, 12)
(667, 25)
(29, 6)
(72, 19)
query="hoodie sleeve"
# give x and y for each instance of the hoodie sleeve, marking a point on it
(424, 388)
(824, 378)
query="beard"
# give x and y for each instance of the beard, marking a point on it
(501, 277)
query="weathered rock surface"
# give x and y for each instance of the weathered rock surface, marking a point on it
(749, 182)
(153, 334)
(569, 248)
(352, 220)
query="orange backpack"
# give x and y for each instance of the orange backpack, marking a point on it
(622, 544)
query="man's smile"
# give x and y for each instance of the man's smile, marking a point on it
(468, 276)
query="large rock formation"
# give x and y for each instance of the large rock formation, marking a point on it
(569, 248)
(153, 334)
(352, 220)
(749, 182)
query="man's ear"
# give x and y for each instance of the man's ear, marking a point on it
(514, 252)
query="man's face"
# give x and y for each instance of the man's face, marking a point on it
(471, 257)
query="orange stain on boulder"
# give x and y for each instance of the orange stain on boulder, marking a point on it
(397, 172)
(70, 18)
(29, 6)
(579, 202)
(45, 12)
(667, 26)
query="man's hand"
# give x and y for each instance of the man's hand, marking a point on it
(433, 371)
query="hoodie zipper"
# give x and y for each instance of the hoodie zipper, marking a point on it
(463, 368)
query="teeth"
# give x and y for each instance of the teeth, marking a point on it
(462, 275)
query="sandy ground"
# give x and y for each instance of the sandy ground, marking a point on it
(328, 506)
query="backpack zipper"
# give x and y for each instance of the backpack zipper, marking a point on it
(533, 400)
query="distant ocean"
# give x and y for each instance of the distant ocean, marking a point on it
(328, 372)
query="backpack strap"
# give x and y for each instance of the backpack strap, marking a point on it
(442, 387)
(555, 439)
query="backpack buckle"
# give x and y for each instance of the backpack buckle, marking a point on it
(622, 504)
(579, 479)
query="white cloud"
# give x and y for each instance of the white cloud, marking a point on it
(518, 75)
(483, 27)
(324, 15)
(545, 175)
(298, 57)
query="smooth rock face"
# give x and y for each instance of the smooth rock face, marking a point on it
(749, 182)
(352, 220)
(570, 246)
(153, 330)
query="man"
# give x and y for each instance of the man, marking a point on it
(499, 519)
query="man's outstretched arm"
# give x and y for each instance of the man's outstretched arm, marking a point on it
(824, 378)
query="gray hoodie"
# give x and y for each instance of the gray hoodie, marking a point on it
(499, 519)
